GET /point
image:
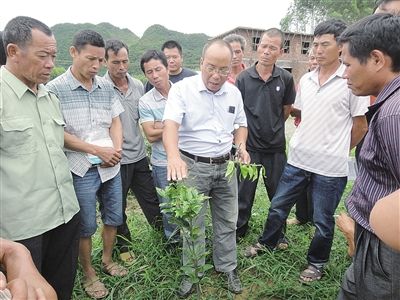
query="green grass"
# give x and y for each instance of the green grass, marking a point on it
(156, 275)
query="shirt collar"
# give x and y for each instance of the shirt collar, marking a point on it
(201, 87)
(75, 83)
(157, 95)
(338, 73)
(19, 87)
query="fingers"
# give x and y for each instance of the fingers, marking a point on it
(18, 289)
(176, 170)
(3, 281)
(40, 294)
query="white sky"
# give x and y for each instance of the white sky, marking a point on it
(211, 17)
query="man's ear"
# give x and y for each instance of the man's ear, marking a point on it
(201, 62)
(12, 50)
(378, 58)
(73, 51)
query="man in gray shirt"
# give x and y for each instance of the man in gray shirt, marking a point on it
(135, 172)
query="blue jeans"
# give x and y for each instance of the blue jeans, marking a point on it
(325, 194)
(160, 181)
(109, 194)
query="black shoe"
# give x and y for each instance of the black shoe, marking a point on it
(234, 284)
(185, 288)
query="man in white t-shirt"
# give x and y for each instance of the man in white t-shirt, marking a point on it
(332, 123)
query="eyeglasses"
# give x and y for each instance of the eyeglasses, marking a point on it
(213, 69)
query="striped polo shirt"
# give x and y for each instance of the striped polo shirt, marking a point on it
(379, 160)
(321, 142)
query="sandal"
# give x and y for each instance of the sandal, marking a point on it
(94, 288)
(254, 250)
(310, 274)
(115, 269)
(128, 258)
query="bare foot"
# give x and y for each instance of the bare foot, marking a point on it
(347, 225)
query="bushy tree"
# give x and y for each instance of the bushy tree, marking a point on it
(304, 15)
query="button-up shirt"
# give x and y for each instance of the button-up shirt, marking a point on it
(379, 159)
(206, 119)
(88, 115)
(36, 190)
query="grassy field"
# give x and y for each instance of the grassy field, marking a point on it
(156, 275)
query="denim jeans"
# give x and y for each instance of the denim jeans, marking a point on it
(160, 181)
(88, 189)
(325, 194)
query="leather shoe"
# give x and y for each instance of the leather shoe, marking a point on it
(185, 288)
(234, 284)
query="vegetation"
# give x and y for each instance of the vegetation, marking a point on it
(184, 206)
(156, 271)
(304, 15)
(152, 38)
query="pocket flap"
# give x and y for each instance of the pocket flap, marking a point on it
(20, 124)
(59, 121)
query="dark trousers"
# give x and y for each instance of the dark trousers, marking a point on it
(304, 207)
(374, 273)
(55, 254)
(273, 164)
(137, 177)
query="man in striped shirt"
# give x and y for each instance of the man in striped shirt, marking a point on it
(332, 122)
(373, 68)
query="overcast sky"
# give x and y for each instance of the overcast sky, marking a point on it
(211, 17)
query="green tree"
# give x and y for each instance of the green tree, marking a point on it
(304, 15)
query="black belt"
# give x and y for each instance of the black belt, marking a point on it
(208, 160)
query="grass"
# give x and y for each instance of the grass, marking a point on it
(156, 274)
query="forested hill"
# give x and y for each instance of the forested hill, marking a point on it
(152, 38)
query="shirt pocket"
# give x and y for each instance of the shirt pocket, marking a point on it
(17, 136)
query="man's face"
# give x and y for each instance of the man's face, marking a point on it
(360, 77)
(269, 50)
(215, 67)
(88, 61)
(36, 59)
(174, 59)
(326, 49)
(156, 73)
(312, 61)
(237, 54)
(117, 64)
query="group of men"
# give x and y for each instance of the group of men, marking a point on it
(77, 141)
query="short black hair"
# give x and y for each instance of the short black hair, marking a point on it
(153, 54)
(233, 37)
(3, 57)
(332, 26)
(171, 44)
(376, 32)
(115, 46)
(275, 32)
(19, 31)
(87, 37)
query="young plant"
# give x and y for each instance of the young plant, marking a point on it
(247, 171)
(184, 205)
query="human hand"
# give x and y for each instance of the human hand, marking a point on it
(23, 279)
(243, 156)
(158, 125)
(176, 169)
(109, 156)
